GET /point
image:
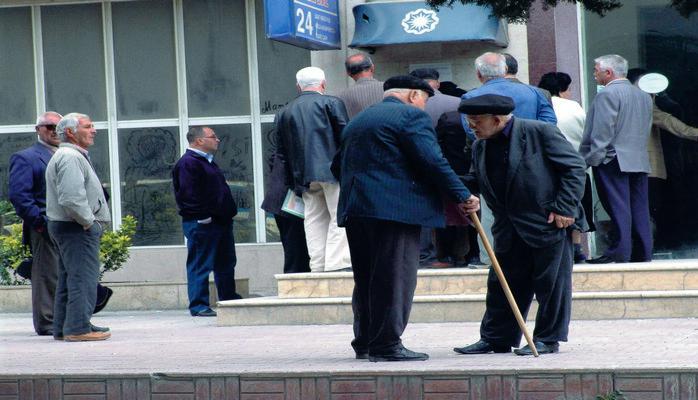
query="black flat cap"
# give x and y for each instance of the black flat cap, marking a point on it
(493, 104)
(408, 82)
(426, 73)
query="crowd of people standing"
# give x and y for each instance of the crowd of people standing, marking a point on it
(376, 181)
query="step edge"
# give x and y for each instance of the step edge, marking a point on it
(653, 266)
(280, 301)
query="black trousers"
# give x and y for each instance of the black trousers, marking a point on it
(385, 259)
(44, 280)
(452, 241)
(544, 272)
(292, 232)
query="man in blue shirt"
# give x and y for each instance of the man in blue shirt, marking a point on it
(207, 208)
(529, 102)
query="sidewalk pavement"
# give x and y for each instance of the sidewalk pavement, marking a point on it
(172, 342)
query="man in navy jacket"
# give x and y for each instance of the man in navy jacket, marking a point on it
(28, 195)
(391, 173)
(207, 208)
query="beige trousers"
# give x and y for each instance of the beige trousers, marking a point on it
(327, 243)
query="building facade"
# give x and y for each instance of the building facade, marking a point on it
(146, 70)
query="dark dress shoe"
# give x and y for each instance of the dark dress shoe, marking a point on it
(362, 355)
(103, 295)
(399, 354)
(95, 328)
(543, 348)
(205, 313)
(603, 260)
(482, 347)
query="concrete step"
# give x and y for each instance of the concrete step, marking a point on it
(656, 275)
(456, 308)
(128, 296)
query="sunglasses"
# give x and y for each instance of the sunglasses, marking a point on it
(50, 127)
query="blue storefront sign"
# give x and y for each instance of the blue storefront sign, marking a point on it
(311, 24)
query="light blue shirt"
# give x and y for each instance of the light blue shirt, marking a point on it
(530, 103)
(207, 156)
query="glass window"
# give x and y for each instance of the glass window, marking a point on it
(74, 60)
(268, 148)
(278, 63)
(216, 55)
(147, 156)
(17, 98)
(99, 156)
(653, 36)
(234, 157)
(11, 143)
(144, 60)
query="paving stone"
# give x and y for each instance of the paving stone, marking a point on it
(172, 355)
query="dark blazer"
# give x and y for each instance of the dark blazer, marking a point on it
(545, 174)
(28, 186)
(309, 133)
(201, 190)
(391, 167)
(455, 143)
(276, 187)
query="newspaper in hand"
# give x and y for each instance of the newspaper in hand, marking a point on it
(293, 205)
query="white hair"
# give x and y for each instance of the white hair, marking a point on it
(491, 65)
(310, 76)
(69, 121)
(614, 63)
(43, 118)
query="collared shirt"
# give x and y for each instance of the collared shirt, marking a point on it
(507, 128)
(49, 146)
(207, 156)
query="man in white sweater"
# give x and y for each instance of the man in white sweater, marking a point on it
(77, 211)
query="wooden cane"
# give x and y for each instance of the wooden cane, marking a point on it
(503, 282)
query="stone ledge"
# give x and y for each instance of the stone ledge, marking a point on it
(455, 308)
(665, 276)
(128, 296)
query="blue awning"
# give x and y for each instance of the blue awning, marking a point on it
(380, 24)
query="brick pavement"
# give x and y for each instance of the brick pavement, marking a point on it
(171, 355)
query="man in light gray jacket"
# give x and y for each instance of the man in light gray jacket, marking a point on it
(77, 211)
(614, 144)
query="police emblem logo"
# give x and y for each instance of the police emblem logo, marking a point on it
(420, 21)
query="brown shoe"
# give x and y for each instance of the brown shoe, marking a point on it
(87, 337)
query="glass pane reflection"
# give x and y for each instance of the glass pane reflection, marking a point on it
(147, 156)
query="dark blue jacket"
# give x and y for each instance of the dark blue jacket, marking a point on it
(201, 190)
(28, 186)
(391, 167)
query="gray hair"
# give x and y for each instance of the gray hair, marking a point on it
(69, 121)
(42, 119)
(491, 65)
(614, 63)
(399, 91)
(310, 76)
(195, 132)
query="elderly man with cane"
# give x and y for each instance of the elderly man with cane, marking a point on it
(533, 181)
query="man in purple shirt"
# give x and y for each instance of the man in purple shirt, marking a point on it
(207, 208)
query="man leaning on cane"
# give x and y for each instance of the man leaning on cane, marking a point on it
(533, 180)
